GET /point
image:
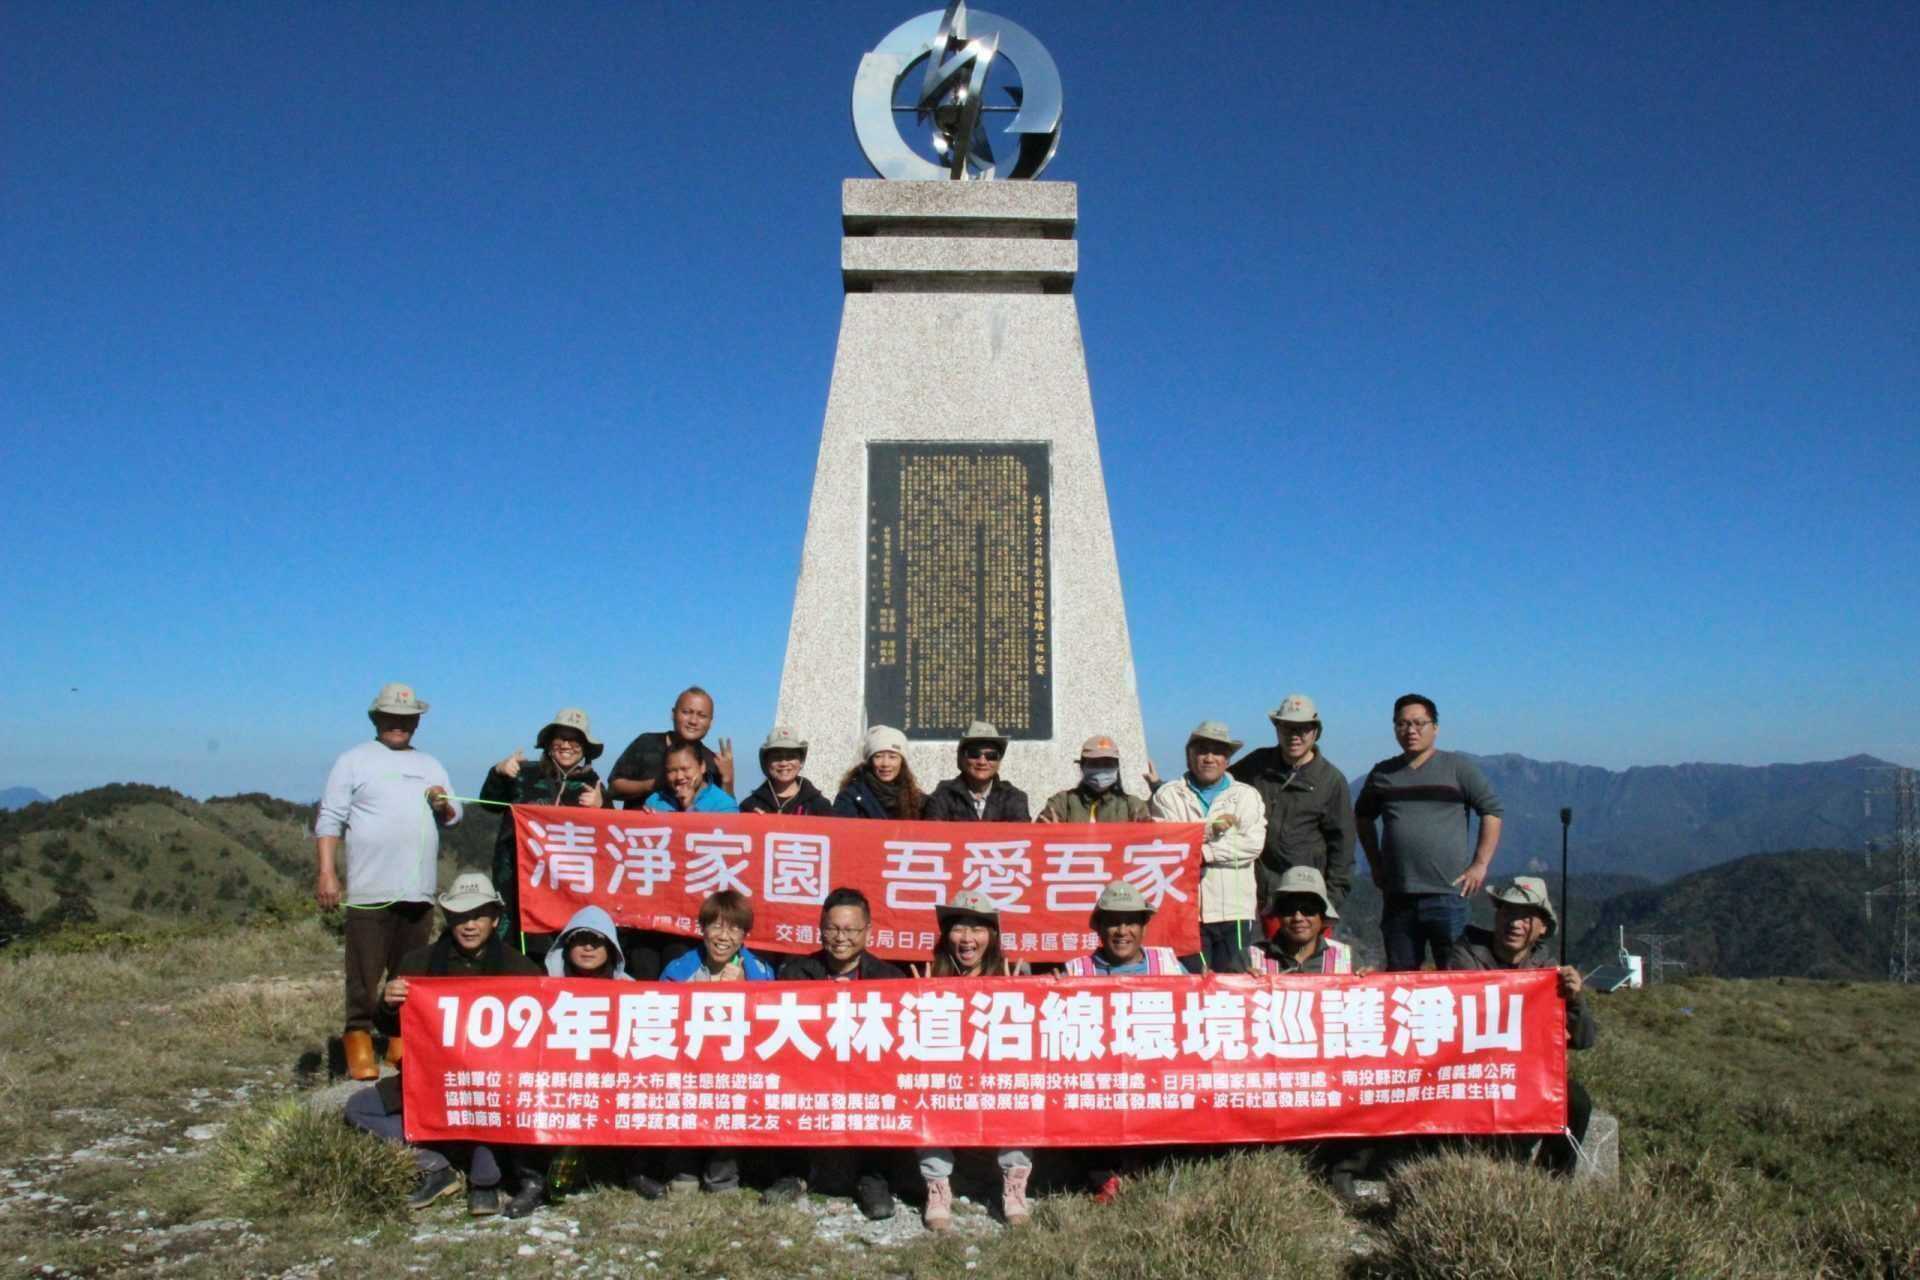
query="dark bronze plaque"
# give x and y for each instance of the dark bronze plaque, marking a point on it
(959, 615)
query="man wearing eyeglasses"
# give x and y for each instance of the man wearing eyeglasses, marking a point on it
(1309, 810)
(1423, 854)
(843, 957)
(979, 794)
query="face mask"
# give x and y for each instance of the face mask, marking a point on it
(1100, 779)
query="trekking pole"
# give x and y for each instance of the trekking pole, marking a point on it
(1566, 894)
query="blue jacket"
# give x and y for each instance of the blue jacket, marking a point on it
(682, 966)
(709, 799)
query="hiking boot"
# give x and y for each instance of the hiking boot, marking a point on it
(433, 1184)
(645, 1187)
(1013, 1195)
(684, 1184)
(361, 1064)
(939, 1211)
(787, 1190)
(873, 1197)
(483, 1202)
(1108, 1191)
(531, 1195)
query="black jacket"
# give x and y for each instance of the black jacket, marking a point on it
(952, 802)
(813, 968)
(1309, 819)
(442, 959)
(809, 801)
(857, 800)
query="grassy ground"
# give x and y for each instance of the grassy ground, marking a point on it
(146, 1129)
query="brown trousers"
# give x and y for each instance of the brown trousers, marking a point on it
(376, 939)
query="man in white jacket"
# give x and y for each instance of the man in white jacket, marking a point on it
(1236, 821)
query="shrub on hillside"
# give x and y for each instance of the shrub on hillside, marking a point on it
(285, 1157)
(1458, 1216)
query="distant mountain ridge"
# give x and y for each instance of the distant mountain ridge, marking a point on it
(12, 798)
(1794, 914)
(1663, 821)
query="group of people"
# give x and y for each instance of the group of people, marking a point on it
(1277, 862)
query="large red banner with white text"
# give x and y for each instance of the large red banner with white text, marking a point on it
(651, 871)
(983, 1062)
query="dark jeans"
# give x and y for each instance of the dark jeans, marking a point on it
(366, 1111)
(1412, 923)
(376, 939)
(1224, 943)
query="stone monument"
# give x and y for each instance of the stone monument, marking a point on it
(959, 560)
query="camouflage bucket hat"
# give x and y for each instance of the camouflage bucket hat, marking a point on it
(575, 719)
(1301, 881)
(1531, 892)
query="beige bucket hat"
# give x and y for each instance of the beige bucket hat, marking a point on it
(575, 719)
(1295, 708)
(469, 891)
(883, 737)
(396, 699)
(1215, 731)
(783, 738)
(1528, 891)
(968, 902)
(1303, 880)
(981, 731)
(1122, 899)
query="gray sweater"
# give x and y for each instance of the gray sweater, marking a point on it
(1425, 841)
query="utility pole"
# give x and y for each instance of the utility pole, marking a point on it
(1905, 848)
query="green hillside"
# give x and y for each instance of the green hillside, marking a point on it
(128, 853)
(1798, 914)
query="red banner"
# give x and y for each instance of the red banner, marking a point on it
(651, 871)
(984, 1062)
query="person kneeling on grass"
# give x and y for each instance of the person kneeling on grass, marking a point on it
(726, 918)
(969, 947)
(1301, 909)
(588, 947)
(1120, 922)
(845, 918)
(1523, 919)
(470, 947)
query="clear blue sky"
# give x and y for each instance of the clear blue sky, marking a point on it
(1561, 363)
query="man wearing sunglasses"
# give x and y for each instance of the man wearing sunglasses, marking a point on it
(979, 794)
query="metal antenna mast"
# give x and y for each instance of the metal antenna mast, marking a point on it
(1656, 954)
(1905, 848)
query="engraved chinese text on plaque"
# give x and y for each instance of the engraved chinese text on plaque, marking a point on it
(958, 605)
